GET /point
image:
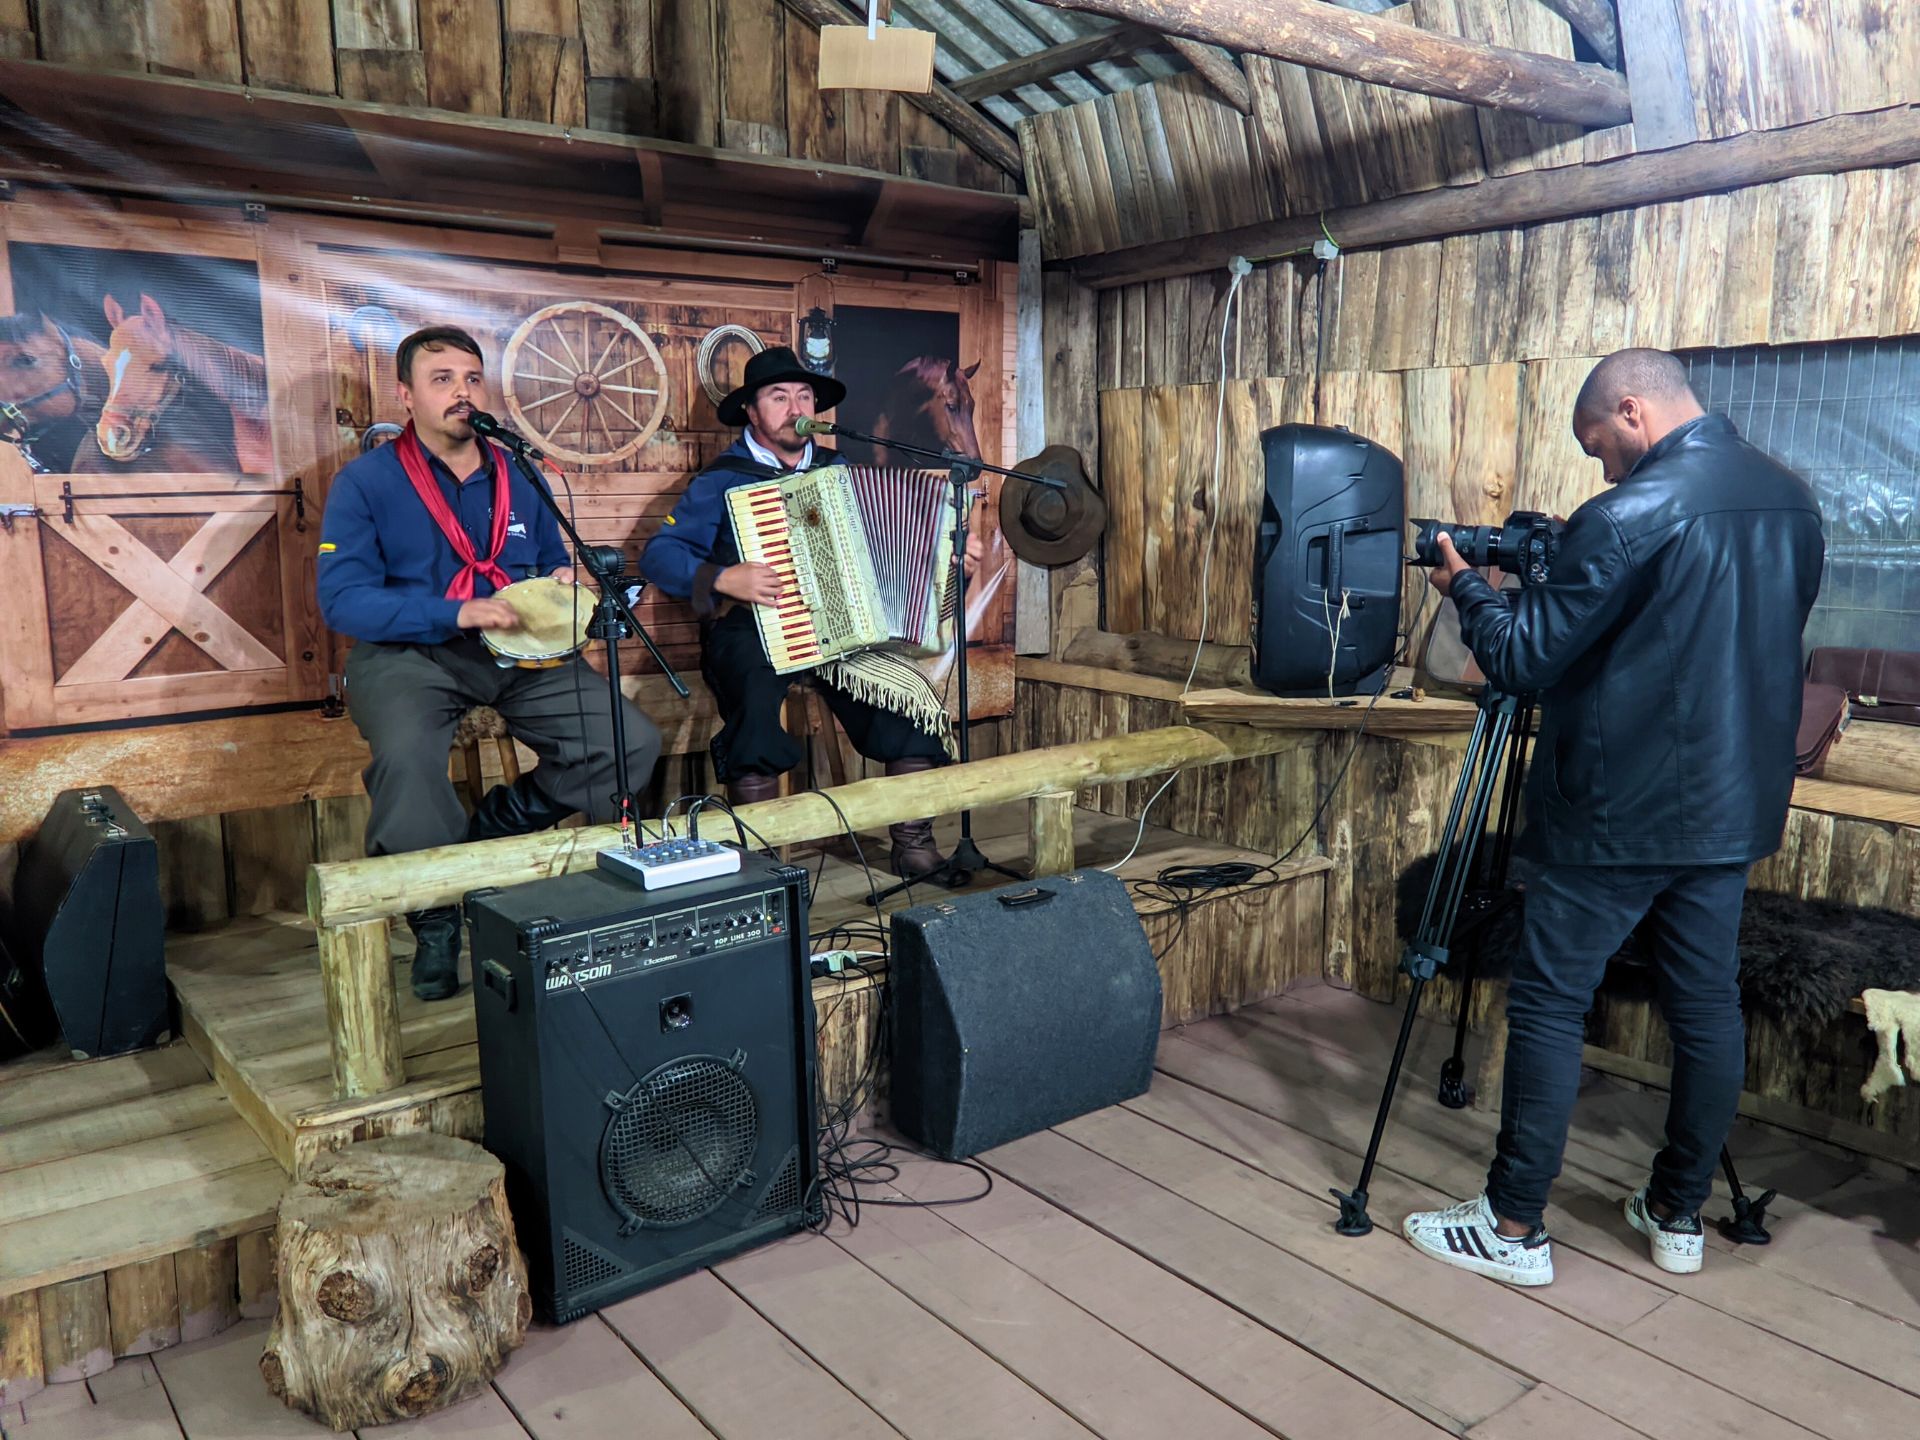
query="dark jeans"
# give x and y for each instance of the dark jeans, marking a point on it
(1576, 918)
(407, 699)
(752, 741)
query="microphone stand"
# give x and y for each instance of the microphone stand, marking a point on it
(613, 619)
(966, 861)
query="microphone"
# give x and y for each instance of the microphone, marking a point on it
(488, 427)
(812, 425)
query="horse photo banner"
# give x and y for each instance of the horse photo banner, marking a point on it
(178, 386)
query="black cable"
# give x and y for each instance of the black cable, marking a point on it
(848, 1167)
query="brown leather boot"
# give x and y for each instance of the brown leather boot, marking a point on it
(752, 789)
(914, 853)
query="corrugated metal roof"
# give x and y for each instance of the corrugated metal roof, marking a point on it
(976, 35)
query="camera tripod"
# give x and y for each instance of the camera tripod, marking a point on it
(1467, 893)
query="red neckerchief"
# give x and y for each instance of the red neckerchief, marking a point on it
(413, 459)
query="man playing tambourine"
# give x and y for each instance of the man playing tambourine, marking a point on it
(418, 537)
(696, 557)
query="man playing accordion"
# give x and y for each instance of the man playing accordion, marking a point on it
(696, 557)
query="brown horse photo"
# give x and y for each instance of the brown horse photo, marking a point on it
(177, 400)
(928, 404)
(52, 385)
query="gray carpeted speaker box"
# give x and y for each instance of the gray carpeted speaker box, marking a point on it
(1017, 1009)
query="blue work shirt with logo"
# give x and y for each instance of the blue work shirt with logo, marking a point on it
(384, 566)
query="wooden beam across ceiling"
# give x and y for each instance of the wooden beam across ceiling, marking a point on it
(1218, 69)
(1835, 144)
(1594, 22)
(1120, 41)
(1328, 37)
(941, 103)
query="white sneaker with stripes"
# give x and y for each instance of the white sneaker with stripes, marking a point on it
(1465, 1236)
(1678, 1246)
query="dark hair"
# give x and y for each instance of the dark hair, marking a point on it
(434, 337)
(1638, 371)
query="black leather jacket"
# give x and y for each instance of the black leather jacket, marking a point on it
(1665, 650)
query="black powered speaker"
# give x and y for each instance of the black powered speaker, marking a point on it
(1327, 563)
(88, 932)
(1017, 1009)
(647, 1073)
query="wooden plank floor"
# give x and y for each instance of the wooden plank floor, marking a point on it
(1168, 1267)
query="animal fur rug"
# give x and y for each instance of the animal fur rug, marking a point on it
(1800, 960)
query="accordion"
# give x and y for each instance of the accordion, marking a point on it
(865, 559)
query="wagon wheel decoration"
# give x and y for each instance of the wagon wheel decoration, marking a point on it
(586, 382)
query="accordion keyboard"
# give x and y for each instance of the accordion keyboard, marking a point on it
(792, 641)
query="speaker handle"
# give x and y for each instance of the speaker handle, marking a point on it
(1336, 559)
(1035, 896)
(499, 979)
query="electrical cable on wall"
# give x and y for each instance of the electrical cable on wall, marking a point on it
(1239, 268)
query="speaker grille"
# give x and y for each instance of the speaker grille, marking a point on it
(586, 1268)
(784, 1194)
(680, 1141)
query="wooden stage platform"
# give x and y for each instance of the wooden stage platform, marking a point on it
(1169, 1267)
(253, 1008)
(136, 1193)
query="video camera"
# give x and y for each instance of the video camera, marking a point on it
(1523, 545)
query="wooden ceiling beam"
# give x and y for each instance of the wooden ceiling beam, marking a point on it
(986, 137)
(1218, 69)
(1836, 144)
(1119, 42)
(1328, 37)
(1594, 22)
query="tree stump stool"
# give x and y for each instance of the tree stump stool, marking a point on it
(401, 1288)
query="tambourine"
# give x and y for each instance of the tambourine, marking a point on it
(553, 624)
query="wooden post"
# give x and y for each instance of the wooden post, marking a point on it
(21, 1368)
(1050, 832)
(258, 1289)
(76, 1339)
(363, 1017)
(143, 1307)
(209, 1285)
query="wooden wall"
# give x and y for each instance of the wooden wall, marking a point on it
(1171, 159)
(732, 73)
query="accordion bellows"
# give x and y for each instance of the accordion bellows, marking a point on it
(865, 556)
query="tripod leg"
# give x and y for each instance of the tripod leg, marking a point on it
(1354, 1219)
(1747, 1225)
(1455, 1093)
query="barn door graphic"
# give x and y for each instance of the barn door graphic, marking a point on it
(146, 594)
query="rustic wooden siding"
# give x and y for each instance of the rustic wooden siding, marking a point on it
(738, 74)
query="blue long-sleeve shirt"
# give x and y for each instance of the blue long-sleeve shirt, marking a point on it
(384, 566)
(696, 543)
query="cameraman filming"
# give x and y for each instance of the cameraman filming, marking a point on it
(1664, 647)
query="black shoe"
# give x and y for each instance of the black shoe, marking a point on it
(517, 809)
(436, 958)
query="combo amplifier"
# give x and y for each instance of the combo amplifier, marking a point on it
(647, 1071)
